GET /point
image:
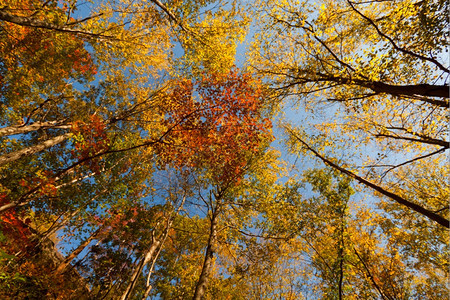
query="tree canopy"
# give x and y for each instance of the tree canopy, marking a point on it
(140, 159)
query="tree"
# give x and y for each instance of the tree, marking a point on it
(341, 248)
(227, 131)
(82, 92)
(379, 69)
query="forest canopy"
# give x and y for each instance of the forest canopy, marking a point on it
(224, 150)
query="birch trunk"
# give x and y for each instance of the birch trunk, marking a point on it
(144, 261)
(13, 156)
(20, 129)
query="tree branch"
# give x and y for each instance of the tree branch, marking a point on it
(20, 129)
(415, 207)
(36, 23)
(370, 275)
(413, 160)
(430, 141)
(396, 47)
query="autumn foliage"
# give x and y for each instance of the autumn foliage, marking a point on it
(90, 138)
(14, 226)
(27, 48)
(216, 123)
(136, 162)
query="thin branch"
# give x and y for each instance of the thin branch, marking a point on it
(33, 22)
(413, 160)
(369, 274)
(171, 15)
(427, 140)
(266, 237)
(371, 22)
(84, 20)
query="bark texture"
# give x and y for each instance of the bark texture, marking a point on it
(21, 129)
(13, 156)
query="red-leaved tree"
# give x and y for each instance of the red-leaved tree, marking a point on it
(216, 124)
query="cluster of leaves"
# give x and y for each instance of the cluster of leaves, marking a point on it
(36, 59)
(24, 271)
(216, 124)
(15, 233)
(90, 138)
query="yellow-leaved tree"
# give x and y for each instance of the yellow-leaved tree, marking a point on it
(81, 107)
(371, 83)
(378, 73)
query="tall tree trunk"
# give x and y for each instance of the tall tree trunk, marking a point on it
(148, 287)
(13, 156)
(63, 266)
(209, 255)
(151, 254)
(20, 129)
(341, 255)
(143, 262)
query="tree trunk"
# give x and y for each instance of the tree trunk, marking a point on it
(13, 156)
(63, 266)
(20, 129)
(341, 255)
(148, 256)
(148, 287)
(426, 90)
(412, 90)
(209, 255)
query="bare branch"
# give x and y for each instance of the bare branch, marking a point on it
(413, 160)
